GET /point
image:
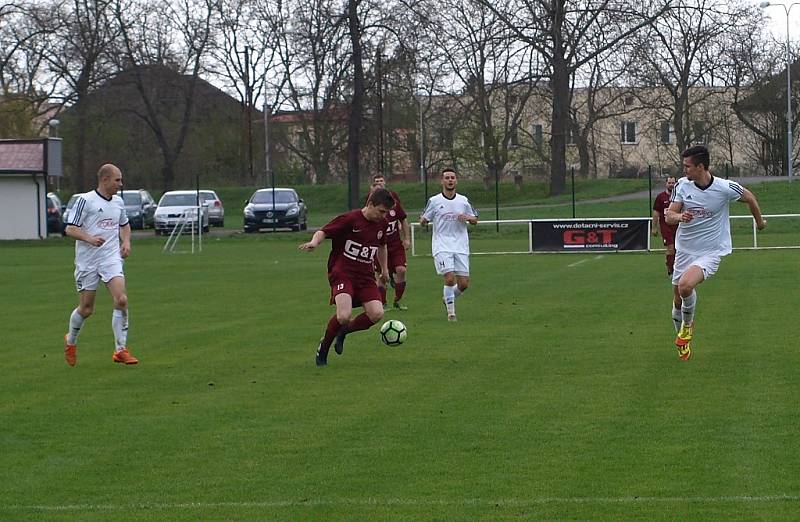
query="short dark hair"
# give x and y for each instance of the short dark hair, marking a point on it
(381, 196)
(697, 154)
(449, 169)
(376, 176)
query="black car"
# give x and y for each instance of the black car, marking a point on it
(139, 206)
(289, 210)
(53, 214)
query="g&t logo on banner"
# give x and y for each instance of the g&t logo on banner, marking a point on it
(590, 239)
(574, 235)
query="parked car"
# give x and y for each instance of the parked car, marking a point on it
(54, 223)
(216, 212)
(58, 202)
(175, 204)
(139, 206)
(289, 211)
(67, 211)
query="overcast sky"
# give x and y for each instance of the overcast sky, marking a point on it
(778, 22)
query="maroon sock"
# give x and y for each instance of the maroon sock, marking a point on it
(361, 322)
(399, 290)
(330, 333)
(382, 290)
(670, 263)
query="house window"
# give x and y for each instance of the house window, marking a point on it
(667, 133)
(699, 133)
(301, 141)
(572, 136)
(444, 139)
(536, 133)
(514, 138)
(628, 132)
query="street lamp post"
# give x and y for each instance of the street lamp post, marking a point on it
(789, 142)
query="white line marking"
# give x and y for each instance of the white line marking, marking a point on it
(576, 263)
(510, 502)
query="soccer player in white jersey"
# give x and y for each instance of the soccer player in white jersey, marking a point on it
(450, 212)
(103, 239)
(700, 206)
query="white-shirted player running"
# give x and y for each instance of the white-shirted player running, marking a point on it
(450, 212)
(103, 239)
(700, 206)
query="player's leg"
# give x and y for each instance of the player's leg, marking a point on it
(461, 264)
(445, 267)
(119, 320)
(342, 297)
(677, 317)
(86, 284)
(365, 292)
(399, 278)
(670, 258)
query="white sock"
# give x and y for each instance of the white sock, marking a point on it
(119, 323)
(677, 317)
(75, 322)
(687, 308)
(450, 299)
(457, 291)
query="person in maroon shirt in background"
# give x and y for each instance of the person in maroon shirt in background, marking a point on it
(668, 231)
(356, 238)
(398, 240)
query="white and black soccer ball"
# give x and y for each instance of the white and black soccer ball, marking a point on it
(393, 333)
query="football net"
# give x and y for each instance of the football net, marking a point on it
(515, 236)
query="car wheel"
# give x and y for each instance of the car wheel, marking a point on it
(205, 229)
(249, 230)
(304, 226)
(157, 231)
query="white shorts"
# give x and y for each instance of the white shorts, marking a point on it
(447, 262)
(708, 263)
(89, 279)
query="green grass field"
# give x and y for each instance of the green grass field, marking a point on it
(557, 396)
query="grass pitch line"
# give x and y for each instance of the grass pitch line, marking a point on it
(576, 263)
(366, 502)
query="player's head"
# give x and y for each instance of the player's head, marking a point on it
(109, 179)
(378, 181)
(449, 179)
(378, 204)
(670, 184)
(696, 160)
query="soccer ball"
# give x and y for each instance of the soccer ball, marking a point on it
(393, 333)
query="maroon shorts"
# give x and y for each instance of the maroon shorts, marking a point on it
(668, 234)
(397, 255)
(361, 289)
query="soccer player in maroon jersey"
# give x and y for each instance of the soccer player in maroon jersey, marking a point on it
(398, 240)
(356, 238)
(668, 231)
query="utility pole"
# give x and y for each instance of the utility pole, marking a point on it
(379, 73)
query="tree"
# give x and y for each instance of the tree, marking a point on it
(557, 30)
(165, 34)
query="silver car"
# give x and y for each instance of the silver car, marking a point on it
(176, 205)
(216, 212)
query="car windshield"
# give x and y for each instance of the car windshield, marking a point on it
(281, 196)
(131, 197)
(51, 203)
(178, 200)
(208, 196)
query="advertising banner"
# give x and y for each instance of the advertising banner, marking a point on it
(590, 235)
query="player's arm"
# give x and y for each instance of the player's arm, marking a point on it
(472, 220)
(405, 231)
(125, 240)
(383, 260)
(654, 226)
(80, 234)
(675, 214)
(750, 200)
(316, 239)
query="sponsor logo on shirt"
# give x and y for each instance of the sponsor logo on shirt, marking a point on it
(700, 212)
(392, 213)
(358, 252)
(106, 224)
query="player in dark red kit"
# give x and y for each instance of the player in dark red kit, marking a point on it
(357, 237)
(398, 240)
(668, 231)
